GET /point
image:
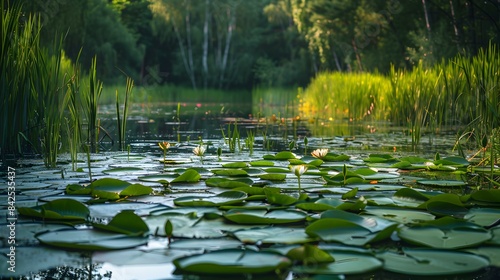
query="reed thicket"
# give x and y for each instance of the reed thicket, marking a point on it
(462, 92)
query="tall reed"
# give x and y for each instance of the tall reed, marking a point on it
(90, 105)
(19, 46)
(49, 87)
(122, 124)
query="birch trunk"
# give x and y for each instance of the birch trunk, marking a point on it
(205, 44)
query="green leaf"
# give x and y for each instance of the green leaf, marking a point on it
(126, 222)
(169, 228)
(487, 196)
(309, 254)
(189, 176)
(445, 234)
(273, 176)
(88, 239)
(273, 235)
(432, 262)
(228, 183)
(136, 190)
(350, 194)
(233, 261)
(242, 216)
(59, 209)
(442, 183)
(239, 164)
(348, 260)
(224, 198)
(261, 163)
(109, 184)
(284, 155)
(230, 172)
(274, 197)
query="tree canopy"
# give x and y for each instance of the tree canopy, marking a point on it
(240, 44)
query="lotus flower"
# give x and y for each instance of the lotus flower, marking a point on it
(298, 170)
(319, 153)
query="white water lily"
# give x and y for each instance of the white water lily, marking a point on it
(199, 151)
(319, 153)
(298, 170)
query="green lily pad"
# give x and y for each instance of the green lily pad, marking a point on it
(346, 262)
(126, 222)
(88, 239)
(189, 176)
(492, 196)
(239, 164)
(432, 262)
(445, 233)
(230, 172)
(483, 216)
(243, 216)
(442, 183)
(273, 235)
(233, 261)
(262, 163)
(224, 198)
(228, 183)
(273, 176)
(59, 209)
(403, 216)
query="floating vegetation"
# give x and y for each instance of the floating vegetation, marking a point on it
(272, 214)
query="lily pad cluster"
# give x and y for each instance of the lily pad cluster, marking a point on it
(352, 215)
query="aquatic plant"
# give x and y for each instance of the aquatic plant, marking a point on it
(199, 151)
(91, 105)
(298, 170)
(319, 153)
(250, 141)
(164, 146)
(122, 121)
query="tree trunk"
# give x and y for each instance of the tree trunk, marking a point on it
(205, 44)
(455, 26)
(230, 29)
(183, 54)
(190, 49)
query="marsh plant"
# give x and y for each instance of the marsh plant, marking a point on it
(91, 105)
(122, 120)
(199, 151)
(250, 141)
(164, 146)
(298, 170)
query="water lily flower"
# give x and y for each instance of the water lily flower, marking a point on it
(164, 146)
(199, 151)
(298, 170)
(319, 153)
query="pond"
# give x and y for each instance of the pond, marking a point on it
(256, 204)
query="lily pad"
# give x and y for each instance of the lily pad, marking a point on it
(88, 239)
(429, 262)
(445, 233)
(233, 261)
(224, 198)
(442, 183)
(243, 216)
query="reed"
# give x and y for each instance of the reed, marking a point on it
(90, 105)
(122, 121)
(49, 87)
(20, 44)
(74, 125)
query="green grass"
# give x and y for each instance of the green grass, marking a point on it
(174, 94)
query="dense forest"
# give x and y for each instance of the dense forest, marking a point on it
(240, 44)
